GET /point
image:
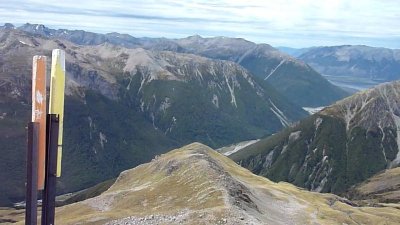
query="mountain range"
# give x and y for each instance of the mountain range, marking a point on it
(125, 105)
(291, 77)
(342, 145)
(378, 64)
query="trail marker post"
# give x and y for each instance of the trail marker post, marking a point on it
(54, 135)
(45, 138)
(39, 113)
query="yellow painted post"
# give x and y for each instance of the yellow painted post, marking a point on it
(39, 113)
(56, 105)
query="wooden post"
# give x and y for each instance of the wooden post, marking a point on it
(56, 103)
(32, 174)
(39, 112)
(49, 193)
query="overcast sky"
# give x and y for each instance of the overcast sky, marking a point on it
(293, 23)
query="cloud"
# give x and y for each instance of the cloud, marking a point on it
(297, 23)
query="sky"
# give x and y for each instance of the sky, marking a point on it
(291, 23)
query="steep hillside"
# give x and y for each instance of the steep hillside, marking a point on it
(379, 64)
(124, 106)
(196, 185)
(98, 144)
(379, 189)
(189, 97)
(342, 145)
(292, 78)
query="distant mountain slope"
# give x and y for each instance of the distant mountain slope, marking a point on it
(124, 106)
(196, 185)
(295, 52)
(342, 145)
(187, 95)
(291, 77)
(380, 64)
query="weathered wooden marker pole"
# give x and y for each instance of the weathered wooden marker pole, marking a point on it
(54, 135)
(36, 140)
(45, 138)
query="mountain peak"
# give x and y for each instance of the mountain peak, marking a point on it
(378, 105)
(196, 36)
(7, 26)
(33, 26)
(36, 29)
